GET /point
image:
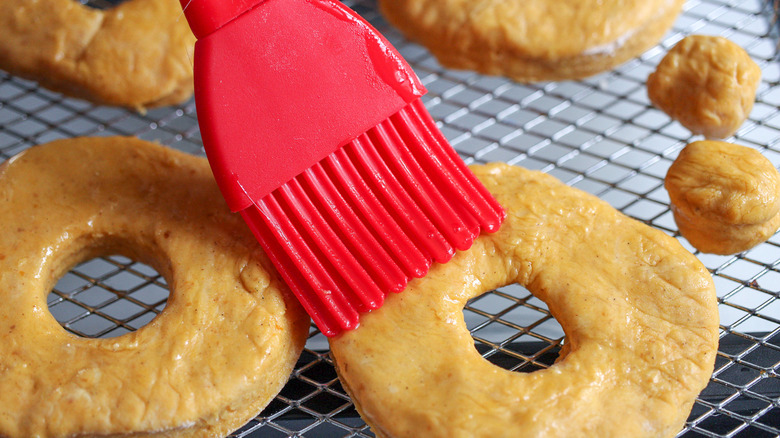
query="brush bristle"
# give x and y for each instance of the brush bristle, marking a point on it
(374, 214)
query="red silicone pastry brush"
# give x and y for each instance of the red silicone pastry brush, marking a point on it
(315, 131)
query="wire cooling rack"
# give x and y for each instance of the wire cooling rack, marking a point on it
(600, 135)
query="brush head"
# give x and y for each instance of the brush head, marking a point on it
(370, 217)
(284, 85)
(314, 129)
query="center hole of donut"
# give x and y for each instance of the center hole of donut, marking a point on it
(107, 297)
(101, 4)
(513, 329)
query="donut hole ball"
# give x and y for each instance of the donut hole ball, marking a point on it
(707, 83)
(725, 198)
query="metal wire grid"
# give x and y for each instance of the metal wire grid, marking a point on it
(600, 135)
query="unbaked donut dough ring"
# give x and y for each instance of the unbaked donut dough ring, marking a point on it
(534, 40)
(639, 313)
(137, 54)
(222, 348)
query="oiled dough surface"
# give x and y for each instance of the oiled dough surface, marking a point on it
(639, 312)
(222, 348)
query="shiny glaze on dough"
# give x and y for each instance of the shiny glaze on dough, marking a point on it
(222, 348)
(639, 312)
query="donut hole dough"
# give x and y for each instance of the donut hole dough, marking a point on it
(639, 312)
(495, 330)
(102, 4)
(707, 83)
(137, 54)
(725, 198)
(533, 40)
(222, 348)
(131, 302)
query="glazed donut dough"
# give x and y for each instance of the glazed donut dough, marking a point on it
(137, 54)
(639, 313)
(222, 348)
(725, 198)
(533, 40)
(707, 83)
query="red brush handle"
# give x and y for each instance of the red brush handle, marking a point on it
(206, 16)
(285, 84)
